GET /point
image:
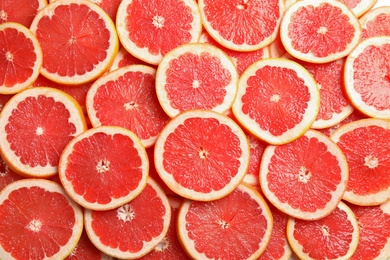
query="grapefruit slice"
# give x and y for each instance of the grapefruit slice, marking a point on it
(256, 150)
(366, 145)
(21, 58)
(376, 22)
(196, 76)
(149, 29)
(35, 126)
(104, 167)
(366, 77)
(7, 175)
(319, 31)
(38, 221)
(133, 229)
(293, 179)
(20, 11)
(277, 100)
(359, 7)
(237, 226)
(201, 155)
(335, 236)
(242, 25)
(124, 58)
(78, 40)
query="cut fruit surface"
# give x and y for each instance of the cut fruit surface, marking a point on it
(20, 11)
(376, 22)
(359, 7)
(7, 175)
(124, 58)
(201, 155)
(293, 179)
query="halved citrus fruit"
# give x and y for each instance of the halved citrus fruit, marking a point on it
(335, 236)
(7, 175)
(237, 226)
(376, 22)
(277, 100)
(367, 79)
(242, 25)
(124, 58)
(201, 155)
(366, 145)
(104, 167)
(359, 7)
(319, 31)
(133, 229)
(20, 11)
(38, 221)
(196, 76)
(149, 29)
(78, 40)
(21, 58)
(35, 126)
(293, 179)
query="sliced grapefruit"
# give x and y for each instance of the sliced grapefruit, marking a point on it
(196, 76)
(319, 31)
(376, 22)
(149, 29)
(20, 11)
(367, 79)
(104, 167)
(201, 155)
(366, 145)
(38, 221)
(7, 175)
(256, 150)
(359, 7)
(21, 58)
(293, 179)
(124, 58)
(277, 100)
(135, 228)
(78, 40)
(4, 99)
(36, 125)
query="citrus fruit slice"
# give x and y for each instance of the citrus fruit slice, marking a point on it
(256, 150)
(21, 58)
(237, 226)
(124, 58)
(7, 175)
(104, 167)
(196, 76)
(78, 40)
(38, 221)
(359, 7)
(35, 126)
(335, 236)
(293, 179)
(374, 231)
(366, 145)
(127, 97)
(149, 29)
(4, 98)
(133, 229)
(276, 48)
(277, 100)
(366, 77)
(319, 31)
(376, 22)
(242, 25)
(20, 11)
(201, 155)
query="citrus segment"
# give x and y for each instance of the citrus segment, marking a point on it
(256, 150)
(201, 155)
(196, 76)
(277, 100)
(293, 179)
(20, 11)
(149, 29)
(124, 58)
(104, 167)
(21, 58)
(38, 221)
(7, 175)
(366, 145)
(4, 99)
(78, 40)
(133, 229)
(376, 22)
(354, 116)
(36, 125)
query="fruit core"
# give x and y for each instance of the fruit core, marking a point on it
(103, 166)
(164, 244)
(224, 224)
(34, 225)
(322, 30)
(242, 5)
(275, 98)
(125, 213)
(325, 231)
(39, 130)
(203, 153)
(371, 161)
(196, 83)
(3, 16)
(304, 174)
(9, 57)
(158, 21)
(130, 105)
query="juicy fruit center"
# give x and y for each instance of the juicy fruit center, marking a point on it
(203, 153)
(9, 57)
(371, 161)
(196, 83)
(325, 231)
(163, 245)
(242, 5)
(130, 105)
(322, 30)
(304, 174)
(3, 16)
(103, 166)
(35, 225)
(158, 21)
(275, 98)
(224, 224)
(125, 213)
(39, 130)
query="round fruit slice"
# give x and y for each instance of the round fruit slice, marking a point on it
(367, 79)
(149, 29)
(35, 126)
(335, 236)
(277, 100)
(196, 76)
(20, 11)
(256, 150)
(293, 179)
(359, 7)
(7, 175)
(38, 221)
(21, 58)
(374, 231)
(133, 229)
(319, 31)
(366, 145)
(237, 226)
(104, 167)
(124, 58)
(78, 40)
(201, 155)
(242, 25)
(376, 22)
